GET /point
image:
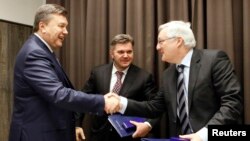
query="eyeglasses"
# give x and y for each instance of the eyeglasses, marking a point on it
(163, 40)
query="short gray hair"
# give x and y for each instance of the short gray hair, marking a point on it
(180, 29)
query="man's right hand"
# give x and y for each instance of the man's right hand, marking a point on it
(79, 134)
(112, 103)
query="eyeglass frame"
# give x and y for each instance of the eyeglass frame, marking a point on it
(162, 41)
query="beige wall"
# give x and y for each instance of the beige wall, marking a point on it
(19, 11)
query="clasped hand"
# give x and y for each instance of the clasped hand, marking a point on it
(112, 103)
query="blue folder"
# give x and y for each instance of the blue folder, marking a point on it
(171, 139)
(152, 139)
(122, 125)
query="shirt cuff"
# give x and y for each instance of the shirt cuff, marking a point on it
(203, 133)
(123, 104)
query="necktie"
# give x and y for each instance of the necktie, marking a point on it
(181, 101)
(118, 84)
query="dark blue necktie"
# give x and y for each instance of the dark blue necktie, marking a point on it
(181, 101)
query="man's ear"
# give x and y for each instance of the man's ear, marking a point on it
(180, 41)
(42, 27)
(111, 53)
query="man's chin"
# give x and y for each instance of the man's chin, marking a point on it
(59, 46)
(124, 66)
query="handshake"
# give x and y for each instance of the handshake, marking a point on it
(112, 103)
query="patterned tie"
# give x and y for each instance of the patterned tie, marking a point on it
(118, 83)
(181, 101)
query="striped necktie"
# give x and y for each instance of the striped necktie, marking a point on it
(181, 101)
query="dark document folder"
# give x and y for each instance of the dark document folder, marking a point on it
(151, 139)
(122, 125)
(178, 139)
(171, 139)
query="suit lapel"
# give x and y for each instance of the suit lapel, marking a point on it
(60, 72)
(172, 83)
(107, 78)
(128, 81)
(193, 75)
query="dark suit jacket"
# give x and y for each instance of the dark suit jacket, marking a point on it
(138, 85)
(214, 93)
(44, 97)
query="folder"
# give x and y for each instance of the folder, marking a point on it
(171, 139)
(152, 139)
(178, 139)
(129, 126)
(122, 125)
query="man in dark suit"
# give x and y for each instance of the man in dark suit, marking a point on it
(137, 84)
(212, 92)
(44, 99)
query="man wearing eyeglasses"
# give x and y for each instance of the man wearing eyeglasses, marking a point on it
(204, 91)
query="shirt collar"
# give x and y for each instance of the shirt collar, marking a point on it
(186, 61)
(44, 42)
(114, 70)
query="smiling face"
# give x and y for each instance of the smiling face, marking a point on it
(54, 30)
(167, 47)
(175, 40)
(122, 55)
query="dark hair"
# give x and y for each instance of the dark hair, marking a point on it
(43, 14)
(122, 39)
